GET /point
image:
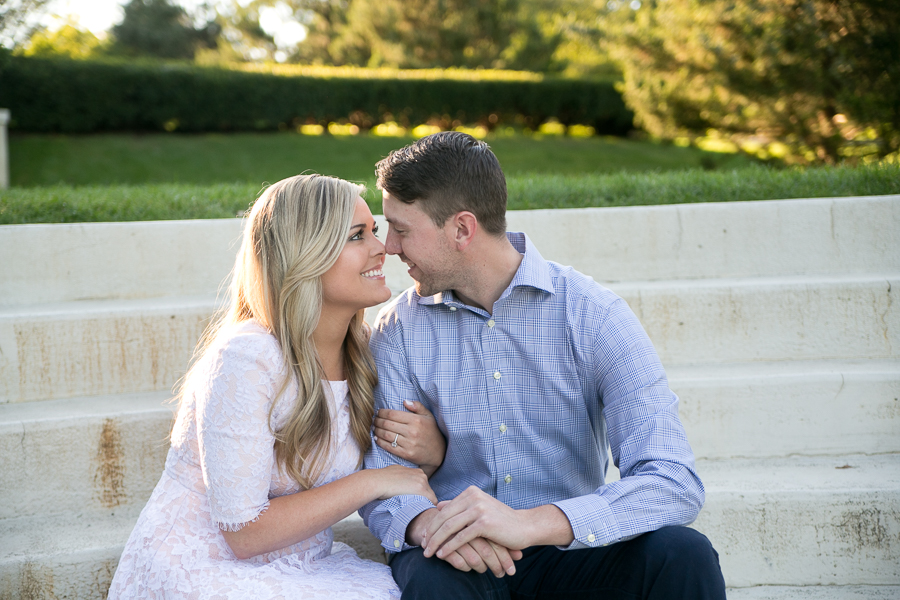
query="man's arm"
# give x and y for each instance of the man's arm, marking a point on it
(659, 486)
(388, 519)
(399, 521)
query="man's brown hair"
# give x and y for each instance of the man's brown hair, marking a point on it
(446, 173)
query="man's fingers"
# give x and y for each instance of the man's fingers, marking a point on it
(464, 535)
(472, 558)
(449, 521)
(489, 555)
(506, 557)
(458, 562)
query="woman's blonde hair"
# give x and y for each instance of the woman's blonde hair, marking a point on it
(295, 232)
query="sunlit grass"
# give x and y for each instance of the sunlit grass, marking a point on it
(67, 204)
(40, 160)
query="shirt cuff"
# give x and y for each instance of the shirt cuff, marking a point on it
(592, 521)
(395, 539)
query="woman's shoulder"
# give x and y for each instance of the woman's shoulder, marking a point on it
(247, 341)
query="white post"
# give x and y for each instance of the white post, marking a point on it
(4, 150)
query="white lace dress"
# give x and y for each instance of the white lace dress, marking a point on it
(221, 471)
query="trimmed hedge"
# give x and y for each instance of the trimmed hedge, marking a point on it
(67, 96)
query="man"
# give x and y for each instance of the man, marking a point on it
(530, 369)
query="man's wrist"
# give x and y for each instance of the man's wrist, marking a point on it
(548, 526)
(415, 531)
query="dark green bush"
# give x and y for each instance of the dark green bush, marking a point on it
(58, 95)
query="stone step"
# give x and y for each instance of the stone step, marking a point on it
(46, 263)
(789, 408)
(75, 555)
(96, 453)
(817, 592)
(720, 240)
(804, 521)
(66, 262)
(117, 346)
(830, 521)
(100, 347)
(769, 319)
(107, 451)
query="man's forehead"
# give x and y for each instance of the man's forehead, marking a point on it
(396, 211)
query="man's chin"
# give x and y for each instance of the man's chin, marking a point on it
(425, 289)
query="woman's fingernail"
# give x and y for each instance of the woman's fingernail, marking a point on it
(408, 402)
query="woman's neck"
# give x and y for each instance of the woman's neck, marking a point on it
(329, 339)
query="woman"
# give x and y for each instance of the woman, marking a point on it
(274, 418)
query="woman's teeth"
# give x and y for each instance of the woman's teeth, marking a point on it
(373, 273)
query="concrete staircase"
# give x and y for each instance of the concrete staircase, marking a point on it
(777, 321)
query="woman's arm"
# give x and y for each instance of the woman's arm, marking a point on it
(418, 438)
(293, 518)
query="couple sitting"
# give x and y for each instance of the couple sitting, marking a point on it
(527, 369)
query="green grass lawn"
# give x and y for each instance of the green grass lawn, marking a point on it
(41, 160)
(72, 204)
(125, 177)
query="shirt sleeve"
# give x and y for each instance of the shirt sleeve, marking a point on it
(388, 519)
(659, 485)
(235, 441)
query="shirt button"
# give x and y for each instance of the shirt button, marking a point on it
(491, 323)
(502, 427)
(497, 375)
(452, 309)
(508, 479)
(396, 543)
(591, 538)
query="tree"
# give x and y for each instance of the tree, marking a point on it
(426, 33)
(68, 40)
(160, 29)
(820, 77)
(15, 20)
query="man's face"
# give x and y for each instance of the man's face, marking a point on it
(427, 249)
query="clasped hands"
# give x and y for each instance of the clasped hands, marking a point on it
(474, 531)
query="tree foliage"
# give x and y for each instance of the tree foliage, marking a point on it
(160, 29)
(819, 79)
(508, 34)
(15, 15)
(69, 41)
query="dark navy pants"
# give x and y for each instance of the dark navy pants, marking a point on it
(673, 562)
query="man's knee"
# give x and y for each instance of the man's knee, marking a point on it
(425, 578)
(681, 545)
(683, 558)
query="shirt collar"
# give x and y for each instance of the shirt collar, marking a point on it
(533, 272)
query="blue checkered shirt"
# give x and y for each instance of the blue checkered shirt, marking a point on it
(530, 397)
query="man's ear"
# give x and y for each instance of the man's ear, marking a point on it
(465, 225)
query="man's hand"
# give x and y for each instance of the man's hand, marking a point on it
(475, 555)
(474, 514)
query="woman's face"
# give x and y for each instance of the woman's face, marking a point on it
(356, 281)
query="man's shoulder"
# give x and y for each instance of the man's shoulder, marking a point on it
(578, 289)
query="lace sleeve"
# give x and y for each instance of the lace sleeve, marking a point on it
(235, 441)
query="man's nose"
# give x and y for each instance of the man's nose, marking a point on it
(391, 243)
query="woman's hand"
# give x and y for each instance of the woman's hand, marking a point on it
(397, 480)
(416, 434)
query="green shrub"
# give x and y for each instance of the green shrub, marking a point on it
(60, 95)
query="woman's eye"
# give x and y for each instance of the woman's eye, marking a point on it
(375, 231)
(356, 236)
